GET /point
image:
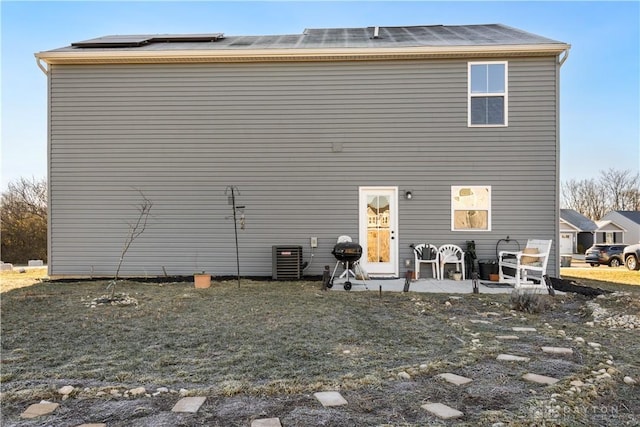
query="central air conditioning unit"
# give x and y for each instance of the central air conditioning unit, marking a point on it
(287, 262)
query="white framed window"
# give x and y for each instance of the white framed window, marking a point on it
(488, 94)
(471, 208)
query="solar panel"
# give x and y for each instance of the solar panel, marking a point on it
(114, 41)
(186, 38)
(140, 40)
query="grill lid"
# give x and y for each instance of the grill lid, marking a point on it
(347, 251)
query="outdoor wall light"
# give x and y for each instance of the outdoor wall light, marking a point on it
(408, 194)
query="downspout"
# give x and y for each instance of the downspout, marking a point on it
(42, 67)
(45, 70)
(560, 61)
(564, 58)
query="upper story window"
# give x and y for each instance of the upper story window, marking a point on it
(488, 93)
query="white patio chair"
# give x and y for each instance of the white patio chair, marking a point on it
(431, 257)
(451, 254)
(527, 266)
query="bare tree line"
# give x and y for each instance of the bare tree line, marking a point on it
(23, 221)
(612, 190)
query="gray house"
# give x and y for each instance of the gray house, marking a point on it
(391, 135)
(629, 222)
(577, 232)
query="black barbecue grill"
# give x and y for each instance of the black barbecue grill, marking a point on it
(348, 254)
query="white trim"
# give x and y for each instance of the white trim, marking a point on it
(604, 223)
(504, 94)
(95, 56)
(564, 221)
(455, 191)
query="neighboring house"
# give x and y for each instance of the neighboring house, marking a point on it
(577, 232)
(629, 221)
(449, 132)
(609, 232)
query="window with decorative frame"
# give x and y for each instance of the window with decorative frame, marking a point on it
(471, 208)
(488, 94)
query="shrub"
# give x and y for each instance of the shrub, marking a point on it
(529, 302)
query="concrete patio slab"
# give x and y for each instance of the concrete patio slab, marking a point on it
(188, 404)
(443, 411)
(330, 398)
(421, 285)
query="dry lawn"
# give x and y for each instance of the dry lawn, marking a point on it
(263, 349)
(617, 275)
(10, 280)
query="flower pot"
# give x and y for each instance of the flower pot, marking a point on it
(457, 276)
(202, 280)
(494, 277)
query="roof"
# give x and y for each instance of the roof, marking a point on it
(426, 39)
(604, 223)
(631, 215)
(578, 220)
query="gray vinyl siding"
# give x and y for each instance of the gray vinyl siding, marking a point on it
(181, 133)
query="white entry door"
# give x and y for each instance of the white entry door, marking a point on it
(379, 230)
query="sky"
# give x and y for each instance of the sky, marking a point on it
(599, 83)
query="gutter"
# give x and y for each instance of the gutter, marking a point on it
(294, 55)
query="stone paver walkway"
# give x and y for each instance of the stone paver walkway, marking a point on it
(266, 422)
(507, 337)
(189, 404)
(523, 329)
(455, 379)
(334, 398)
(557, 350)
(39, 409)
(540, 379)
(443, 411)
(512, 358)
(330, 398)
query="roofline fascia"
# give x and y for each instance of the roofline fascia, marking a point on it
(609, 222)
(575, 227)
(294, 55)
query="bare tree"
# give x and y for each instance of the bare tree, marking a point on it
(632, 198)
(585, 196)
(621, 189)
(23, 219)
(135, 230)
(613, 190)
